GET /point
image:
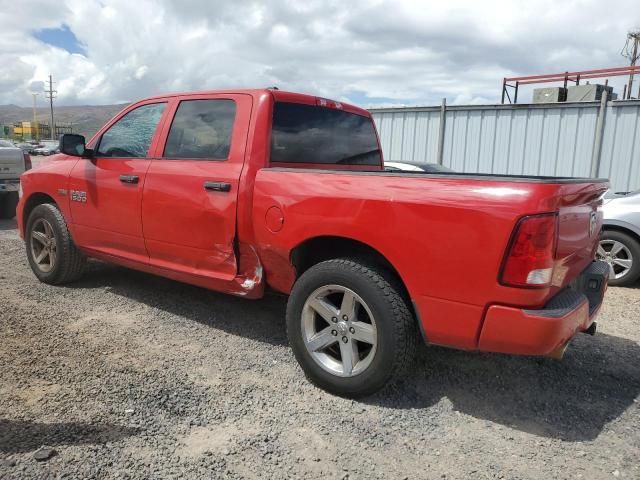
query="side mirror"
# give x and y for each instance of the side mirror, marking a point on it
(73, 144)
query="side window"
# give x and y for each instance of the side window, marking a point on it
(201, 129)
(131, 135)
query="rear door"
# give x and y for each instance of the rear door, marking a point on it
(106, 191)
(191, 188)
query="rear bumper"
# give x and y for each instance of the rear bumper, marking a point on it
(548, 330)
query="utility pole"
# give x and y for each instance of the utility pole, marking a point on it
(35, 117)
(50, 93)
(630, 51)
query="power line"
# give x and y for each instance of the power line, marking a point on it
(50, 93)
(630, 51)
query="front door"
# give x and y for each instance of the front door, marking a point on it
(106, 191)
(191, 190)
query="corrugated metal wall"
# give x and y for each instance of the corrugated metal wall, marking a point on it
(620, 156)
(540, 139)
(410, 135)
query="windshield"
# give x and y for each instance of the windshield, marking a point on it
(311, 134)
(4, 143)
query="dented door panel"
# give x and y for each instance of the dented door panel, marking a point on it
(189, 204)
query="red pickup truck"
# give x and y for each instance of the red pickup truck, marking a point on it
(239, 191)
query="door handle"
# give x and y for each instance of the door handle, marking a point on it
(129, 178)
(217, 186)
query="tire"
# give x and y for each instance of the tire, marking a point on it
(64, 263)
(387, 345)
(625, 262)
(8, 205)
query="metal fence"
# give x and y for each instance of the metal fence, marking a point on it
(569, 139)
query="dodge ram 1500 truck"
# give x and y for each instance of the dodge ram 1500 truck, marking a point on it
(237, 191)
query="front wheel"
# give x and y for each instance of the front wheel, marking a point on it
(52, 255)
(622, 252)
(349, 327)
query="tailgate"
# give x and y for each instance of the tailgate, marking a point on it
(580, 221)
(11, 163)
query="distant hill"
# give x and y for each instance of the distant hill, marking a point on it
(86, 119)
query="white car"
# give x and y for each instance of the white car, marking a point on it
(415, 167)
(620, 239)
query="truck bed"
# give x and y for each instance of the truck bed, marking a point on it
(452, 229)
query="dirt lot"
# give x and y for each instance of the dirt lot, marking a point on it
(132, 376)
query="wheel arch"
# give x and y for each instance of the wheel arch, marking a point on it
(622, 228)
(35, 199)
(318, 249)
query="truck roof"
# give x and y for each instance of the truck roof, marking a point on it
(278, 95)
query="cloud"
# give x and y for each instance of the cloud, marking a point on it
(36, 87)
(370, 52)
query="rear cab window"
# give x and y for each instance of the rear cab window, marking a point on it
(316, 135)
(201, 129)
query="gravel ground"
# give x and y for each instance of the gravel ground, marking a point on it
(132, 376)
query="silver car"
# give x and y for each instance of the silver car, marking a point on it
(13, 162)
(620, 241)
(47, 147)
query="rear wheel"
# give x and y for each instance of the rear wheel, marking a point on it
(622, 252)
(8, 204)
(349, 327)
(52, 255)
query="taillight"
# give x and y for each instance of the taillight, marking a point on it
(529, 258)
(27, 161)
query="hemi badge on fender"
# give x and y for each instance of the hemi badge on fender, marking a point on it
(62, 191)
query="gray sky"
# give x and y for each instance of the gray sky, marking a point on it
(369, 52)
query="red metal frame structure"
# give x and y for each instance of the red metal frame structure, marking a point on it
(566, 77)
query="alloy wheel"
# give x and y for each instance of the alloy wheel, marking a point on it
(339, 330)
(617, 255)
(43, 245)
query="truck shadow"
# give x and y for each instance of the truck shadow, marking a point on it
(18, 436)
(572, 399)
(260, 320)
